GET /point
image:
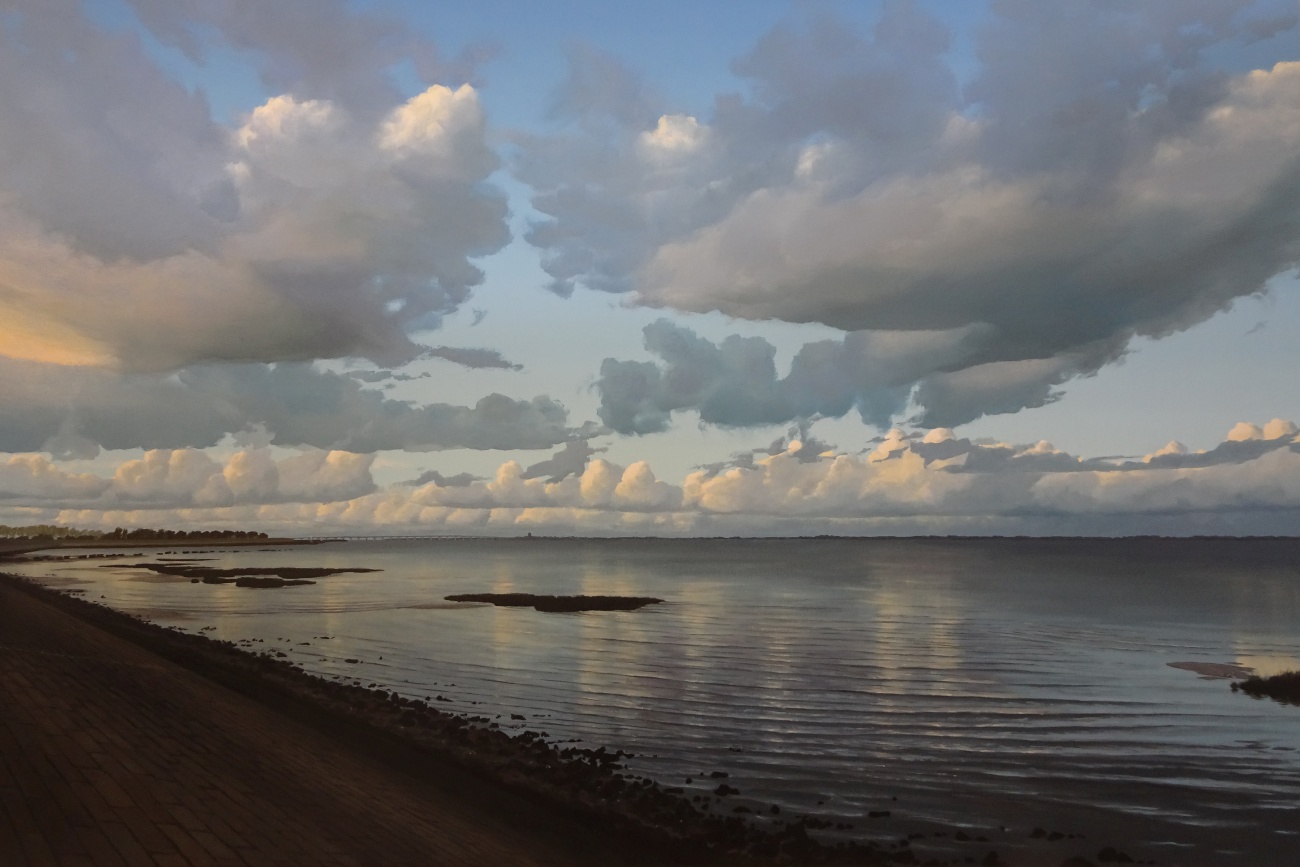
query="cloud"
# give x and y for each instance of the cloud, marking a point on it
(75, 411)
(434, 477)
(947, 482)
(1264, 482)
(601, 485)
(907, 483)
(34, 477)
(136, 232)
(1246, 441)
(373, 376)
(320, 49)
(735, 383)
(947, 399)
(941, 476)
(1099, 178)
(570, 460)
(798, 442)
(472, 357)
(170, 479)
(188, 477)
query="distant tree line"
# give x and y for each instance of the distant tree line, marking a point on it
(44, 532)
(145, 534)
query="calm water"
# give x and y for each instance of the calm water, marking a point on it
(977, 683)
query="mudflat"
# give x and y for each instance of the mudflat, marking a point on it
(111, 754)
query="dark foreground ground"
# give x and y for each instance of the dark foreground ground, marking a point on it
(112, 755)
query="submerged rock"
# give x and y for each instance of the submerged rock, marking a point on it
(558, 603)
(263, 583)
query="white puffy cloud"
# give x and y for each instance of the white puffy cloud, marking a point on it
(908, 475)
(36, 478)
(178, 477)
(324, 476)
(189, 477)
(135, 231)
(1266, 482)
(907, 483)
(1247, 432)
(1099, 178)
(601, 486)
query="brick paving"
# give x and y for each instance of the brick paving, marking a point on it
(110, 755)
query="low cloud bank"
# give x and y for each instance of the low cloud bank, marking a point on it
(180, 478)
(905, 483)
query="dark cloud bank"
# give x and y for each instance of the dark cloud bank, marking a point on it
(73, 412)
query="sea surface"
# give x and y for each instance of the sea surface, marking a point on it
(985, 684)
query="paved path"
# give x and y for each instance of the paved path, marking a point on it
(110, 755)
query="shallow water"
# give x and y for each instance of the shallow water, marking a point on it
(980, 683)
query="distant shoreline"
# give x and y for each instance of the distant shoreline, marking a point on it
(15, 547)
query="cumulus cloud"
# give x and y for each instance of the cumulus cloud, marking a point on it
(1099, 178)
(903, 483)
(135, 231)
(797, 442)
(182, 478)
(34, 477)
(72, 412)
(1244, 442)
(601, 485)
(189, 477)
(1264, 482)
(939, 475)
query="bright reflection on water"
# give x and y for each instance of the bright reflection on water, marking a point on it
(976, 681)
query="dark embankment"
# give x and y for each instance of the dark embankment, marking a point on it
(1283, 687)
(558, 603)
(581, 793)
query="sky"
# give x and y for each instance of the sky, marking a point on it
(775, 268)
